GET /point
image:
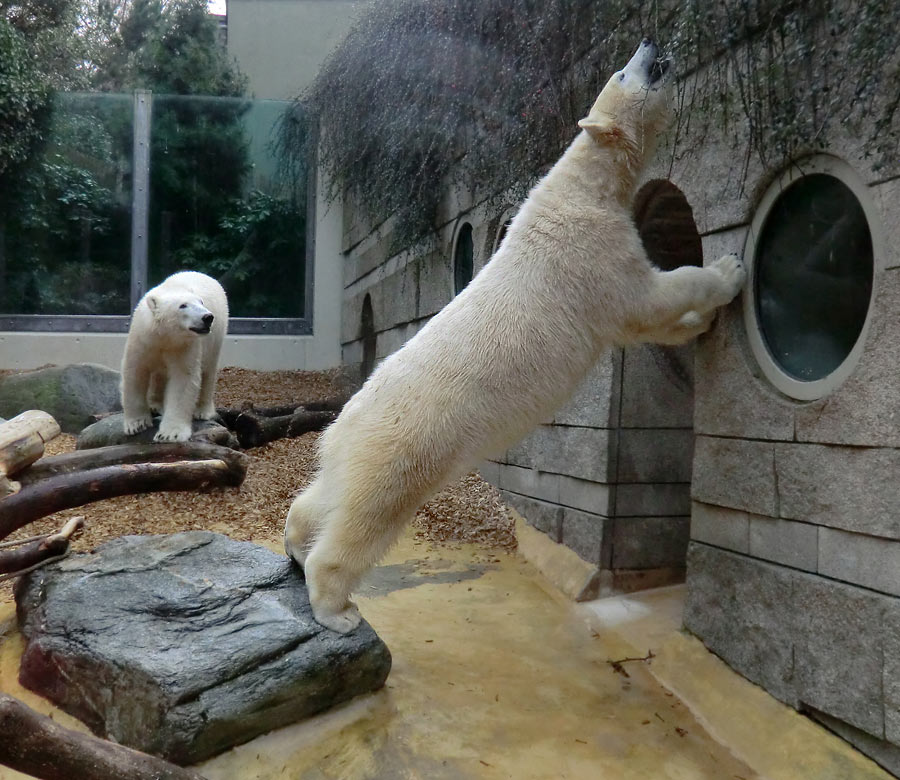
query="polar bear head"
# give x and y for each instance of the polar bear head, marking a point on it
(179, 312)
(633, 108)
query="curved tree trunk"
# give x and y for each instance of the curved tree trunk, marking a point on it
(38, 746)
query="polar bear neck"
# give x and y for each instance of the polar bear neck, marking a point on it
(590, 170)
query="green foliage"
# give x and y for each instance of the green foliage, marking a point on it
(199, 155)
(169, 47)
(484, 93)
(66, 232)
(64, 236)
(38, 54)
(23, 99)
(254, 255)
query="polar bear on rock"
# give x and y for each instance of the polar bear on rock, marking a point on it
(570, 279)
(172, 355)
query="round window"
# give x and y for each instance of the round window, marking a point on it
(812, 265)
(463, 258)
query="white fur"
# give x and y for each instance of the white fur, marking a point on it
(168, 366)
(570, 279)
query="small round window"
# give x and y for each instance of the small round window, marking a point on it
(812, 266)
(463, 258)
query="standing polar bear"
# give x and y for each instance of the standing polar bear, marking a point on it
(569, 280)
(172, 355)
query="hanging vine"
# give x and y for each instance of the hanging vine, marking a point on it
(425, 94)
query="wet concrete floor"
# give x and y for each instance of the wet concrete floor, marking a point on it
(496, 675)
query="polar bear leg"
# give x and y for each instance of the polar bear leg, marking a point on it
(681, 304)
(329, 582)
(305, 517)
(136, 412)
(349, 543)
(182, 388)
(206, 406)
(156, 392)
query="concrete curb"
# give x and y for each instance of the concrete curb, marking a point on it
(575, 578)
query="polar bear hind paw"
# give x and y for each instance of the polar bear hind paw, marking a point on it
(342, 622)
(137, 424)
(206, 414)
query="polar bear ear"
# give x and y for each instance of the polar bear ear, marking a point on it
(152, 303)
(602, 129)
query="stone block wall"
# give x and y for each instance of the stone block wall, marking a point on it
(793, 555)
(794, 560)
(609, 475)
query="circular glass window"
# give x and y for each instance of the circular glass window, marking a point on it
(812, 267)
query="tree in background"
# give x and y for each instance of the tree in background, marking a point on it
(69, 230)
(39, 54)
(198, 149)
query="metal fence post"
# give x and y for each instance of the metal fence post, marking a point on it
(140, 193)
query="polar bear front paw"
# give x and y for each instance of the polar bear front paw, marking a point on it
(342, 622)
(173, 433)
(690, 320)
(732, 271)
(133, 425)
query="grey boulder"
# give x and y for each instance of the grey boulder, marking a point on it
(184, 645)
(72, 394)
(110, 430)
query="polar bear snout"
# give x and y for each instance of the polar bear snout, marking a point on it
(207, 320)
(647, 65)
(197, 317)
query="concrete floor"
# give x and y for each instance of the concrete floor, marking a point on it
(497, 676)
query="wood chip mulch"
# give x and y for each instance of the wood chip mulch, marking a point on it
(469, 511)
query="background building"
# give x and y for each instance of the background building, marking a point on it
(765, 457)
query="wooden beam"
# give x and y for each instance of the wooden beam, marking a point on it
(76, 488)
(22, 440)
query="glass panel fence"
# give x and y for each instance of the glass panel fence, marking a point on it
(65, 225)
(220, 202)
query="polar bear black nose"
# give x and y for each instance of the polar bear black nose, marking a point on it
(207, 319)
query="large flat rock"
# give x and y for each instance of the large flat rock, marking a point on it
(73, 394)
(186, 644)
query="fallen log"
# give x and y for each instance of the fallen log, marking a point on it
(254, 430)
(8, 486)
(36, 745)
(76, 488)
(229, 416)
(22, 440)
(120, 454)
(41, 549)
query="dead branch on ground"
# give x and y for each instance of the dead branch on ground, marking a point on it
(36, 745)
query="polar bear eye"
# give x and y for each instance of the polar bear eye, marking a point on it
(183, 306)
(622, 76)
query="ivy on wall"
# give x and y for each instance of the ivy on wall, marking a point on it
(423, 94)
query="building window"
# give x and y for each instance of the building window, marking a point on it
(463, 258)
(811, 255)
(502, 230)
(665, 222)
(369, 339)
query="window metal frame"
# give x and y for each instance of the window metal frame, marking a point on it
(790, 386)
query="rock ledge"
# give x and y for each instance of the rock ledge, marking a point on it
(185, 645)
